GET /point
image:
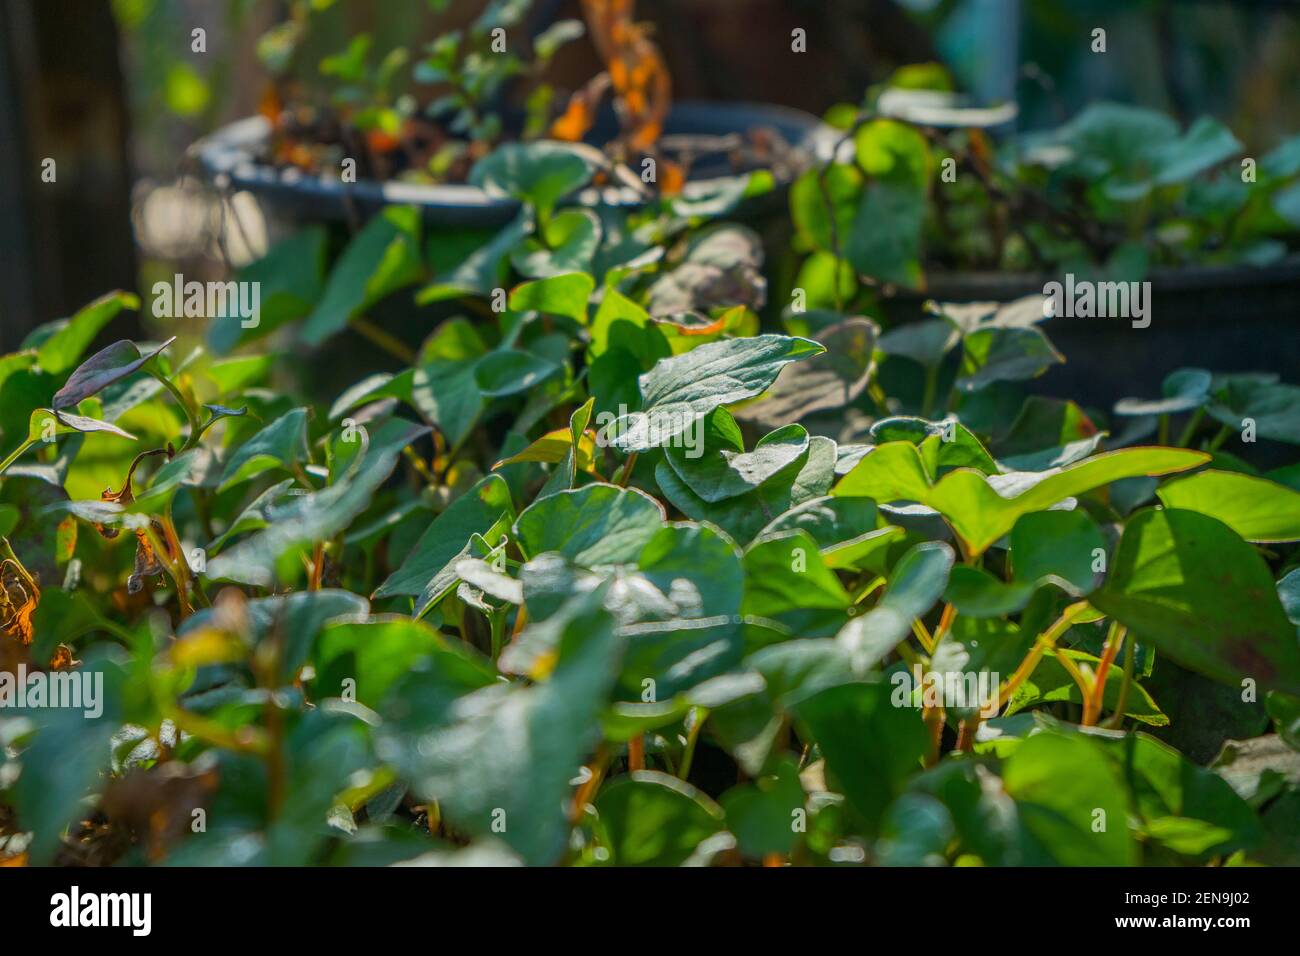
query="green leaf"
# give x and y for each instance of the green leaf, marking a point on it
(48, 424)
(539, 173)
(786, 580)
(762, 814)
(565, 295)
(1166, 787)
(281, 444)
(744, 516)
(976, 593)
(446, 540)
(715, 475)
(652, 819)
(254, 516)
(289, 278)
(1051, 682)
(1184, 390)
(549, 41)
(499, 760)
(925, 342)
(382, 258)
(679, 389)
(831, 522)
(317, 516)
(594, 525)
(482, 269)
(808, 204)
(916, 832)
(885, 240)
(1056, 547)
(61, 350)
(1288, 592)
(1071, 801)
(987, 649)
(510, 372)
(622, 324)
(824, 382)
(982, 509)
(447, 394)
(298, 617)
(63, 617)
(109, 365)
(1256, 508)
(1205, 144)
(985, 817)
(1272, 408)
(870, 746)
(1189, 584)
(567, 244)
(944, 446)
(376, 655)
(916, 583)
(1046, 434)
(66, 760)
(1004, 355)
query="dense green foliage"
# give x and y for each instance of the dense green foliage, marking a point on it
(1113, 193)
(603, 572)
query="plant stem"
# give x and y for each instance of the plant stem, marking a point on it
(945, 623)
(497, 620)
(1219, 439)
(383, 340)
(176, 567)
(1045, 641)
(1162, 436)
(587, 791)
(521, 619)
(1189, 431)
(301, 474)
(966, 733)
(909, 656)
(923, 636)
(1071, 668)
(196, 429)
(931, 385)
(698, 716)
(870, 589)
(934, 719)
(636, 753)
(317, 566)
(626, 474)
(1092, 703)
(1130, 657)
(17, 453)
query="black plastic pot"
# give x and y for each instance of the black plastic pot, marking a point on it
(228, 158)
(1225, 318)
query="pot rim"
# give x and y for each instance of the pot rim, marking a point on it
(225, 157)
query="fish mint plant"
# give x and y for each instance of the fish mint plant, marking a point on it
(595, 581)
